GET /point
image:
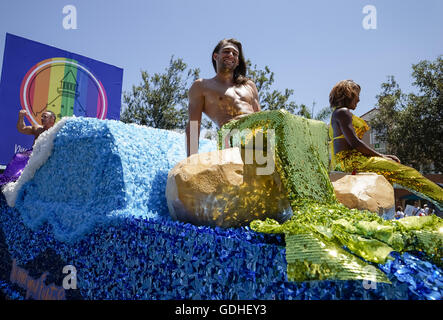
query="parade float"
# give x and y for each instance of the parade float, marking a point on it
(92, 217)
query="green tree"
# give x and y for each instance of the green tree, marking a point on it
(160, 100)
(270, 99)
(322, 115)
(274, 99)
(412, 124)
(390, 103)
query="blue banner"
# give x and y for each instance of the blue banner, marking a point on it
(38, 78)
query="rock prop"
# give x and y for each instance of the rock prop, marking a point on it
(218, 189)
(363, 191)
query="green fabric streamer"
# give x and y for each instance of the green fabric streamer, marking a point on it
(321, 227)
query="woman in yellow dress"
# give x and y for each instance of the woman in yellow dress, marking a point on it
(350, 154)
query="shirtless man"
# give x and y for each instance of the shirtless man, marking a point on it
(18, 163)
(48, 120)
(227, 96)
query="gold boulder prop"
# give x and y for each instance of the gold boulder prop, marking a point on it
(363, 191)
(218, 189)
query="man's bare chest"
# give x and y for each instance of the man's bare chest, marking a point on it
(228, 95)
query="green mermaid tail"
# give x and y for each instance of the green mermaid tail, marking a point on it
(320, 227)
(328, 228)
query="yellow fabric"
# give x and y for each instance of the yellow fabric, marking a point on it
(407, 177)
(360, 128)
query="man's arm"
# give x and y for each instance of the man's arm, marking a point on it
(195, 109)
(255, 99)
(22, 127)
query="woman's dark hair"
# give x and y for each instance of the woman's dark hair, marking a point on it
(240, 71)
(343, 93)
(399, 208)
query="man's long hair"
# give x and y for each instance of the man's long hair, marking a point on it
(240, 71)
(343, 93)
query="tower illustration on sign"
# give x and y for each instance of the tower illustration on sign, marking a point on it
(68, 93)
(63, 86)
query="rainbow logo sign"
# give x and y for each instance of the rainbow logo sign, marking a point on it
(63, 86)
(37, 77)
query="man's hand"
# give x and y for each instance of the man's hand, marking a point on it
(21, 126)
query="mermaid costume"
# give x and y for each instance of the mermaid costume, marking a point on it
(394, 172)
(324, 239)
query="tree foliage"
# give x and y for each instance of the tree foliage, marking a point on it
(271, 99)
(411, 124)
(160, 100)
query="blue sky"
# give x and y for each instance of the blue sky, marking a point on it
(309, 45)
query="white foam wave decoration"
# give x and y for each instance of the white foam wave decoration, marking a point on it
(41, 152)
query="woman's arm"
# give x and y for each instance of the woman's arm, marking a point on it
(344, 118)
